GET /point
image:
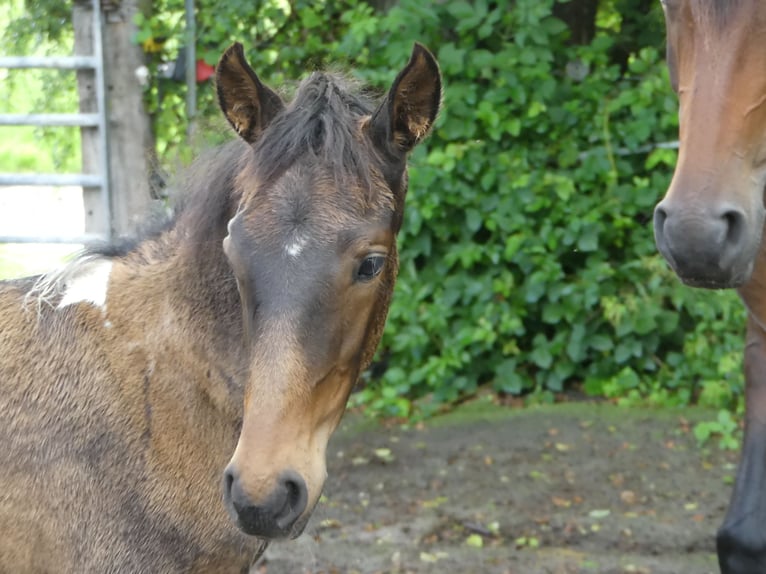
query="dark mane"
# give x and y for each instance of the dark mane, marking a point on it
(201, 197)
(322, 122)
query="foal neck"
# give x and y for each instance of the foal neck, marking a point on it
(176, 289)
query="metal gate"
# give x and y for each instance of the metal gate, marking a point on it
(98, 120)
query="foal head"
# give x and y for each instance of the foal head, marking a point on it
(710, 223)
(313, 249)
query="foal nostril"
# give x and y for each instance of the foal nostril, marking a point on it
(228, 481)
(296, 499)
(274, 516)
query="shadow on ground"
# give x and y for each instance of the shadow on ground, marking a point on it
(572, 488)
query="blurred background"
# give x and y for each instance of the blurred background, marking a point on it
(528, 268)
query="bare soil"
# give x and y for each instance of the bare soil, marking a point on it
(563, 489)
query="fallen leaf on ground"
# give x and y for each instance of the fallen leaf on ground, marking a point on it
(475, 541)
(384, 454)
(628, 497)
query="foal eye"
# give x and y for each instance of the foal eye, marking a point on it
(370, 267)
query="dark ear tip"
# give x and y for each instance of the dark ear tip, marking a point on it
(419, 51)
(418, 48)
(235, 50)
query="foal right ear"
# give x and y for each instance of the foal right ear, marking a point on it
(247, 103)
(409, 110)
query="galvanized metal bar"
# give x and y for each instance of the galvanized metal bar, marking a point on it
(623, 151)
(73, 239)
(81, 179)
(49, 120)
(191, 67)
(48, 62)
(103, 112)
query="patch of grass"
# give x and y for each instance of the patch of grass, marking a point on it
(485, 410)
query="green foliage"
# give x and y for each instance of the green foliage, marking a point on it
(725, 428)
(32, 25)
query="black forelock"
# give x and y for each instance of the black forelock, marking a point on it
(322, 123)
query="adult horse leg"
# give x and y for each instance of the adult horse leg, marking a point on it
(741, 541)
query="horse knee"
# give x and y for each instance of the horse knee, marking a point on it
(741, 548)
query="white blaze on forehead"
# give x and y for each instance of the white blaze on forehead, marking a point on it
(88, 285)
(295, 247)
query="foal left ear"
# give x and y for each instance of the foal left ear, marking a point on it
(247, 103)
(407, 114)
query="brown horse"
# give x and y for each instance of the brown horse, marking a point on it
(213, 358)
(710, 225)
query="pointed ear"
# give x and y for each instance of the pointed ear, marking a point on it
(407, 114)
(247, 103)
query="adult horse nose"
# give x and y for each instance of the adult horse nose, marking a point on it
(705, 247)
(273, 518)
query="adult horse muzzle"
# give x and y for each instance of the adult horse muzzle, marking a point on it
(712, 246)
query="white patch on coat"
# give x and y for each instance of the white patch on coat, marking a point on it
(88, 284)
(294, 249)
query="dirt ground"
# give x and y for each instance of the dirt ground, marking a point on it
(572, 488)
